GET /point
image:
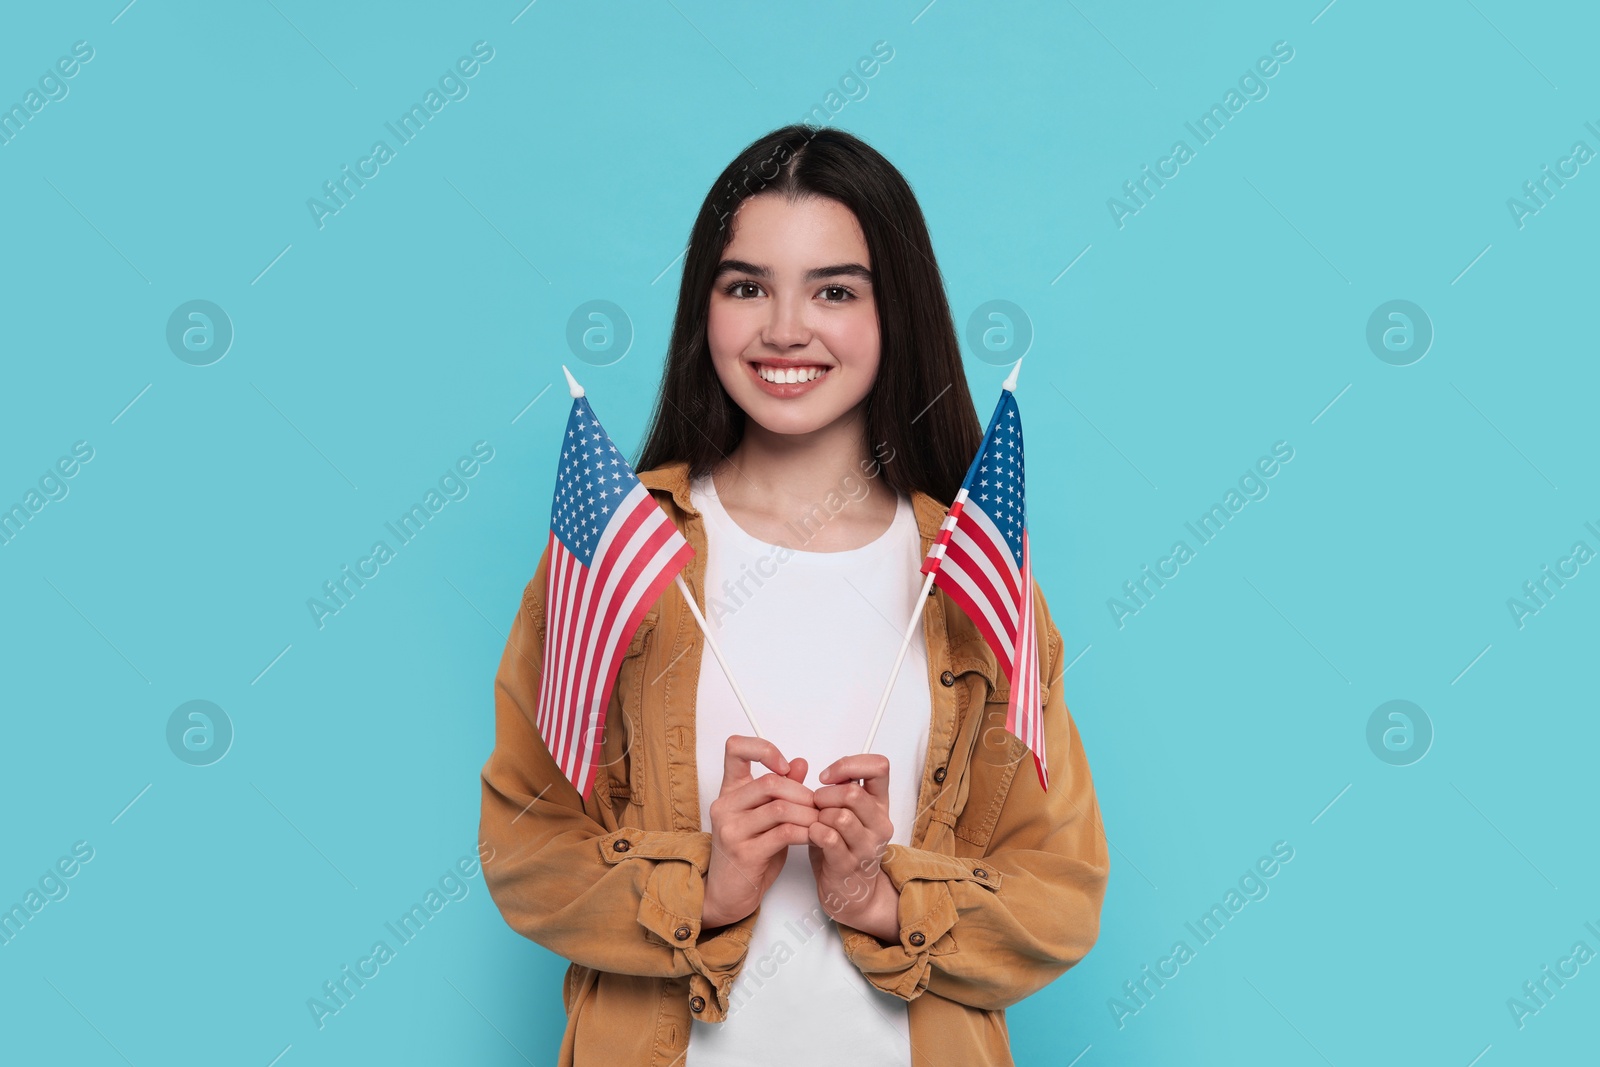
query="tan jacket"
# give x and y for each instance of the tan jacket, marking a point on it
(1000, 890)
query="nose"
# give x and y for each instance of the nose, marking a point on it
(787, 327)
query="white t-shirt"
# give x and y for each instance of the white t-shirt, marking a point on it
(810, 637)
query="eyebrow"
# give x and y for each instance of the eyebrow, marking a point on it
(739, 266)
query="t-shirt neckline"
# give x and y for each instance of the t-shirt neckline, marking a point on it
(705, 490)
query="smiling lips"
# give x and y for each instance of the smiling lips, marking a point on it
(788, 380)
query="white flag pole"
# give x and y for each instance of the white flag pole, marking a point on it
(911, 628)
(711, 643)
(1010, 386)
(577, 390)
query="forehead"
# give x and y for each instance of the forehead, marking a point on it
(773, 230)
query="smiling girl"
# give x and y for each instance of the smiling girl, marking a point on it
(812, 425)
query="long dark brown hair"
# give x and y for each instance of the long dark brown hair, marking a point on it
(918, 410)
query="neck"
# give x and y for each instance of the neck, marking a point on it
(789, 472)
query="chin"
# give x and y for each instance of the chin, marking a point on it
(789, 423)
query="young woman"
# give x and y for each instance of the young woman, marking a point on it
(813, 425)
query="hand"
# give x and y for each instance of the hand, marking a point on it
(753, 823)
(847, 842)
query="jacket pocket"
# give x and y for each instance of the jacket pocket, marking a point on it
(996, 755)
(623, 719)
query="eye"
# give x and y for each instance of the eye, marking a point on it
(845, 294)
(735, 289)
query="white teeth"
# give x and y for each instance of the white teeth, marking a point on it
(789, 374)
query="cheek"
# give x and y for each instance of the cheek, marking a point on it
(853, 339)
(728, 333)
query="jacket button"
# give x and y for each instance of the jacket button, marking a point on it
(938, 775)
(621, 844)
(947, 678)
(697, 1003)
(681, 933)
(916, 937)
(980, 872)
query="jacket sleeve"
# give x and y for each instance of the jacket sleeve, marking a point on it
(988, 931)
(622, 900)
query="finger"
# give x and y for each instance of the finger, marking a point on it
(871, 811)
(740, 751)
(758, 791)
(835, 852)
(851, 795)
(778, 839)
(758, 821)
(859, 838)
(798, 768)
(871, 769)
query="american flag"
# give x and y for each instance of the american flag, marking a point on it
(981, 560)
(611, 552)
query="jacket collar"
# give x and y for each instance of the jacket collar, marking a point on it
(968, 649)
(674, 479)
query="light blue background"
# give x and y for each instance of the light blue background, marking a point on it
(1228, 314)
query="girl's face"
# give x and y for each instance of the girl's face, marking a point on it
(793, 324)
